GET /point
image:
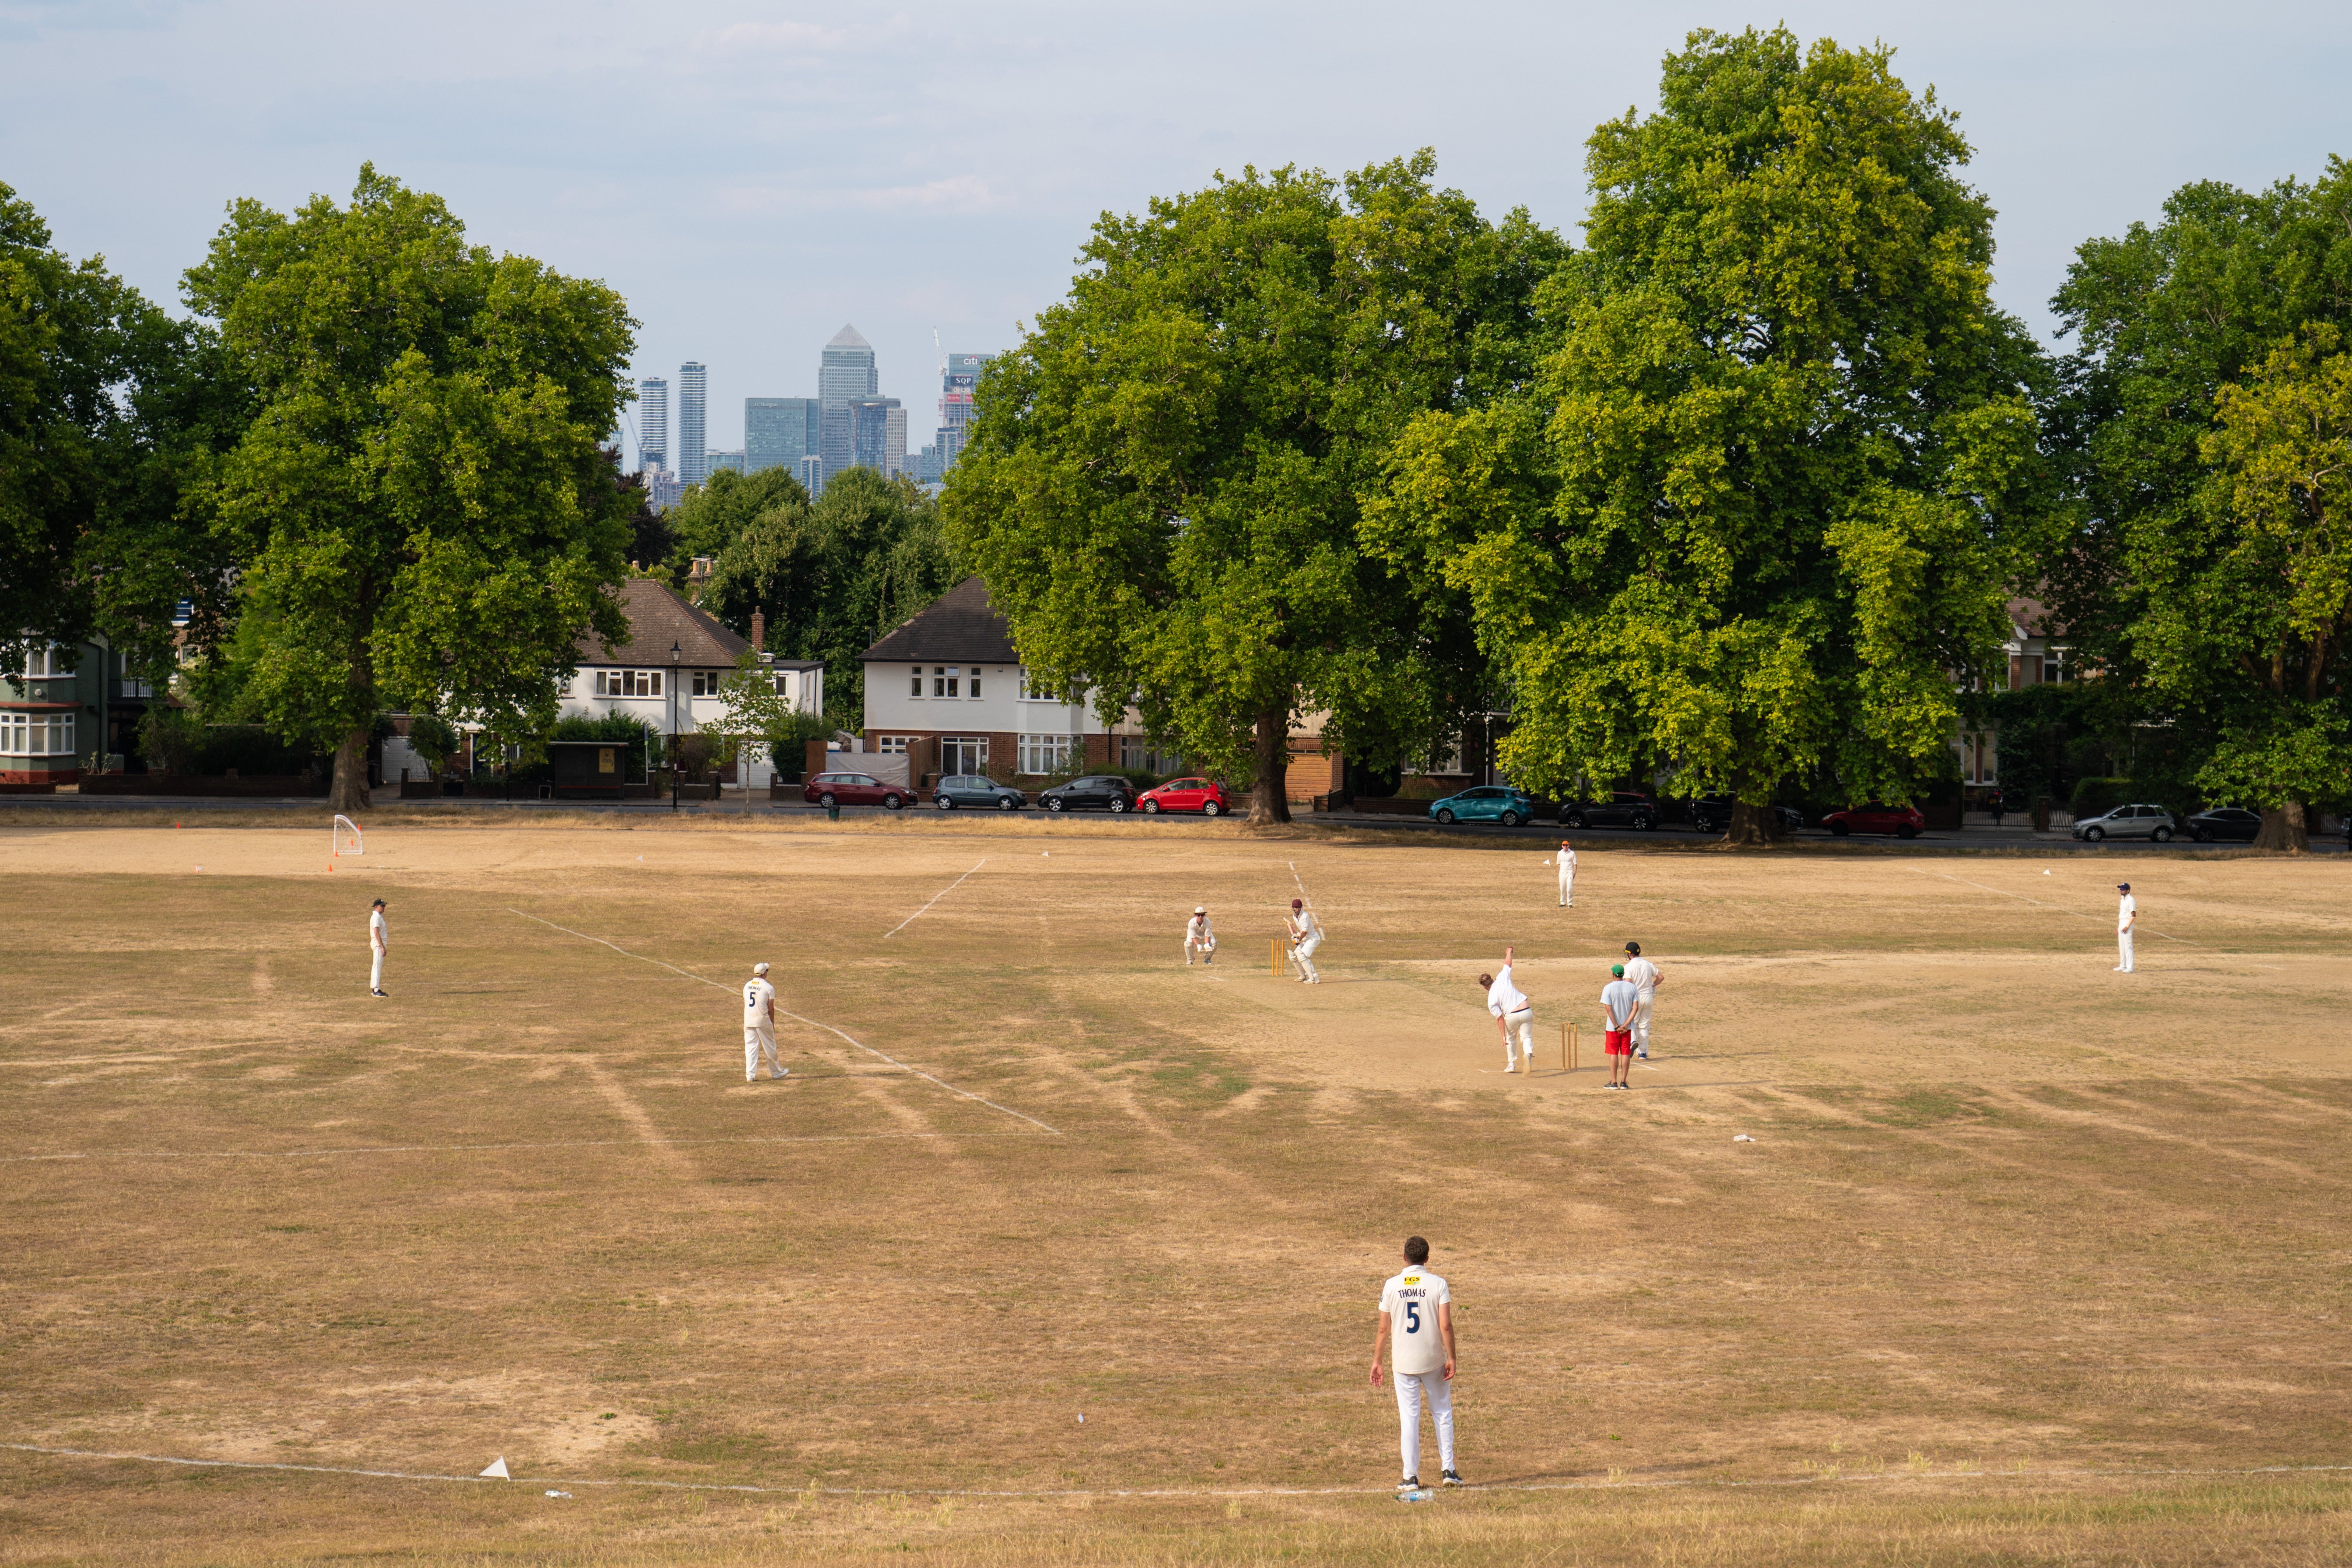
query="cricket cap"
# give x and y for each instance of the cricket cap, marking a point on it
(1618, 970)
(1200, 909)
(2123, 887)
(759, 969)
(1297, 905)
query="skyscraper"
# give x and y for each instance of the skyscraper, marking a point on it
(778, 432)
(959, 374)
(875, 424)
(652, 422)
(845, 376)
(811, 475)
(692, 383)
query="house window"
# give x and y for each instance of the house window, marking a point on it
(45, 663)
(944, 680)
(37, 734)
(2056, 664)
(915, 687)
(894, 745)
(1137, 752)
(1031, 691)
(706, 682)
(1047, 754)
(628, 683)
(975, 685)
(783, 685)
(963, 753)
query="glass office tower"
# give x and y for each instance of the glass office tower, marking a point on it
(778, 432)
(845, 376)
(652, 422)
(693, 464)
(959, 374)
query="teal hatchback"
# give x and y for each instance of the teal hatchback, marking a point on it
(1487, 802)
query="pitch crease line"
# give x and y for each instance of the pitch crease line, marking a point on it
(942, 893)
(1727, 1483)
(812, 1023)
(470, 1148)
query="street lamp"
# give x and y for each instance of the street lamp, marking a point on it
(675, 653)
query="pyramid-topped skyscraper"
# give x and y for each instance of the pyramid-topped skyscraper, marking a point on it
(846, 374)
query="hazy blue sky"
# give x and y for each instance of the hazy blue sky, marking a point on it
(751, 177)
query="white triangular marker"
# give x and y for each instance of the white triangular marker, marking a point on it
(499, 1469)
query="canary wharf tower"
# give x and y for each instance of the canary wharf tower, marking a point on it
(845, 376)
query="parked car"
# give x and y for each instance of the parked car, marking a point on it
(1487, 802)
(2137, 820)
(855, 789)
(1204, 795)
(1903, 821)
(1096, 789)
(2225, 822)
(1624, 808)
(1712, 814)
(975, 789)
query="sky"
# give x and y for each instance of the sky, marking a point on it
(751, 177)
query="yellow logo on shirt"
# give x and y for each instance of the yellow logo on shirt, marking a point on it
(1413, 1279)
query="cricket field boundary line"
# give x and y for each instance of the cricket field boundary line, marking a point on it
(472, 1148)
(942, 893)
(1628, 1484)
(812, 1023)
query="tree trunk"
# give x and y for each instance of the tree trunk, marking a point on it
(349, 793)
(2283, 828)
(1753, 826)
(1270, 796)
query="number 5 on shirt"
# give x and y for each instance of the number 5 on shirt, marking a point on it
(1412, 1317)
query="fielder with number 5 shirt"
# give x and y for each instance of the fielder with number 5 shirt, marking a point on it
(1417, 1320)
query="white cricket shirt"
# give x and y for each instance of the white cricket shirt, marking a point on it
(1618, 1000)
(1503, 998)
(1306, 922)
(757, 994)
(379, 934)
(1411, 1300)
(2125, 908)
(1197, 929)
(1643, 975)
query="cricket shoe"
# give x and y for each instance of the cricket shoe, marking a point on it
(1410, 1484)
(1453, 1478)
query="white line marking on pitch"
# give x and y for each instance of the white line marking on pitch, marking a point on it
(812, 1023)
(467, 1148)
(942, 893)
(2062, 909)
(2052, 1474)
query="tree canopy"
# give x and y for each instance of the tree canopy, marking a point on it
(1162, 483)
(1767, 498)
(419, 505)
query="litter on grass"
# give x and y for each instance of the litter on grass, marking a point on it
(1741, 1138)
(559, 1494)
(1419, 1494)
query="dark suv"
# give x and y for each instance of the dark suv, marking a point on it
(1622, 809)
(1106, 790)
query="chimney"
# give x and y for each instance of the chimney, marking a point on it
(758, 629)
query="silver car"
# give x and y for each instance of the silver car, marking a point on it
(2139, 820)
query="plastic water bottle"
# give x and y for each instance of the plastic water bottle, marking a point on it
(1418, 1494)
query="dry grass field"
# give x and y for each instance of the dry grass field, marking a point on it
(2027, 1261)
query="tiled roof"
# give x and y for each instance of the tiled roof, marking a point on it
(658, 616)
(958, 626)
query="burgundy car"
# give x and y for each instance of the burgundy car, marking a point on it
(855, 789)
(1903, 821)
(1204, 795)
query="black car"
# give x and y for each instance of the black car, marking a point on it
(1097, 789)
(975, 789)
(2225, 822)
(1621, 809)
(1712, 814)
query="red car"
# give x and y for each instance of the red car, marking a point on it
(1203, 795)
(855, 789)
(1903, 821)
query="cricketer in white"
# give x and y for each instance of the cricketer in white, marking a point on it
(379, 938)
(759, 1026)
(1417, 1317)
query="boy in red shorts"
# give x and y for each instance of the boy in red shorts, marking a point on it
(1619, 1002)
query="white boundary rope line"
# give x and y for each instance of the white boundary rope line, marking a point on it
(469, 1148)
(2062, 909)
(812, 1023)
(1726, 1483)
(942, 893)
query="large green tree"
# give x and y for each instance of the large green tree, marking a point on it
(2208, 415)
(1163, 486)
(420, 509)
(1766, 500)
(833, 576)
(107, 408)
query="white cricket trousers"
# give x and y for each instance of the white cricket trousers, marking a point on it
(1207, 950)
(760, 1045)
(1568, 887)
(1305, 953)
(2124, 950)
(1642, 1022)
(375, 972)
(1410, 1387)
(1520, 1025)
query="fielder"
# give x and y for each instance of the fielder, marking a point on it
(1418, 1310)
(1199, 938)
(2127, 917)
(379, 938)
(1619, 1003)
(1306, 936)
(760, 1027)
(1514, 1015)
(1646, 978)
(1566, 861)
